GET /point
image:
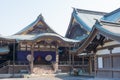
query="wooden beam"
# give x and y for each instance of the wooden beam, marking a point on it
(111, 46)
(87, 41)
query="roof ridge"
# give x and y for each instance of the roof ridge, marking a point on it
(90, 11)
(40, 17)
(110, 23)
(116, 10)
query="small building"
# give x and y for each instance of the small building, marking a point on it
(80, 27)
(39, 47)
(101, 43)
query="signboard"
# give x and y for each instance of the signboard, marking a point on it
(100, 62)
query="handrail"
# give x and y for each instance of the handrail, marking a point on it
(74, 63)
(11, 63)
(4, 64)
(19, 63)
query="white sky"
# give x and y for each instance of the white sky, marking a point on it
(17, 14)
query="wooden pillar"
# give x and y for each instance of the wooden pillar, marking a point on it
(14, 59)
(57, 59)
(90, 65)
(83, 62)
(69, 58)
(111, 60)
(32, 57)
(95, 64)
(73, 60)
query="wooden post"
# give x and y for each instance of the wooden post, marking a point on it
(73, 60)
(95, 64)
(83, 62)
(14, 58)
(57, 59)
(110, 49)
(111, 61)
(32, 57)
(70, 67)
(69, 58)
(90, 65)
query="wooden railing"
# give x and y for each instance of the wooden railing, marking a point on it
(19, 63)
(72, 63)
(10, 63)
(64, 62)
(4, 64)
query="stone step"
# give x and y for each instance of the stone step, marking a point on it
(43, 69)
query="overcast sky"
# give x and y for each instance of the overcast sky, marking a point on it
(17, 14)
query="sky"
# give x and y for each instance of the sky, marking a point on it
(17, 14)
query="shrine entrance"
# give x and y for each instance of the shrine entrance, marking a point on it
(39, 61)
(44, 57)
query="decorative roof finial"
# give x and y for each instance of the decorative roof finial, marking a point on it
(74, 10)
(97, 21)
(40, 17)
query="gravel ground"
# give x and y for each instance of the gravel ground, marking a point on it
(58, 78)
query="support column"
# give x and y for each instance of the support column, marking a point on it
(90, 65)
(69, 58)
(32, 57)
(111, 60)
(95, 64)
(57, 60)
(14, 59)
(83, 63)
(73, 60)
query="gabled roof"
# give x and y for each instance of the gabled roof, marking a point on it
(107, 26)
(85, 19)
(107, 29)
(5, 38)
(39, 31)
(42, 36)
(113, 16)
(36, 27)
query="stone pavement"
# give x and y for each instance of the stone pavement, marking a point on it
(58, 78)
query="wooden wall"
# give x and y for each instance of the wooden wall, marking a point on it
(108, 62)
(111, 67)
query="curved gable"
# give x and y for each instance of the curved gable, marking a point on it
(37, 27)
(76, 32)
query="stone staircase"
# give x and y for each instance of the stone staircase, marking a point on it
(43, 69)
